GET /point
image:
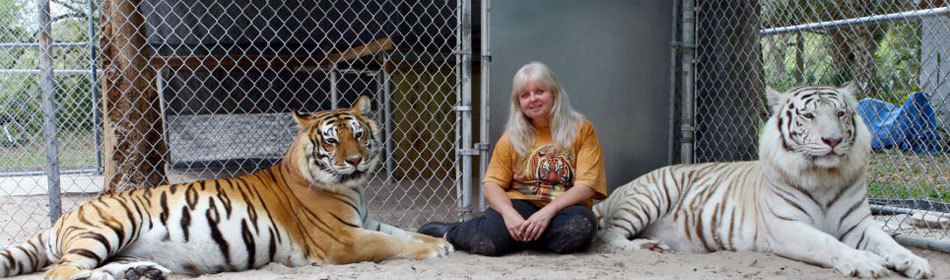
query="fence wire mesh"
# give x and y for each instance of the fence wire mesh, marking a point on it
(894, 50)
(176, 91)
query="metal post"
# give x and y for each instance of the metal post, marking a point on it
(850, 22)
(673, 51)
(49, 112)
(94, 92)
(483, 124)
(334, 93)
(935, 245)
(382, 99)
(388, 113)
(464, 108)
(687, 50)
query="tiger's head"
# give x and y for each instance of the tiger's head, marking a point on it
(551, 166)
(815, 130)
(336, 148)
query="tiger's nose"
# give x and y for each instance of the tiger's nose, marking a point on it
(354, 160)
(832, 142)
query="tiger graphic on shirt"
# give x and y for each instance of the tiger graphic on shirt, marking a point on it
(546, 172)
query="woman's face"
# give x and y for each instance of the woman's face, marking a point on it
(536, 102)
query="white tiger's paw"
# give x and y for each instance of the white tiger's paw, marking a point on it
(649, 244)
(861, 264)
(910, 265)
(623, 244)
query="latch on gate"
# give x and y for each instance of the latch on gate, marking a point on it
(479, 147)
(468, 152)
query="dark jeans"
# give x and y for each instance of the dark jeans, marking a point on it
(571, 230)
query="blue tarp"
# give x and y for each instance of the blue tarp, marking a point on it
(909, 127)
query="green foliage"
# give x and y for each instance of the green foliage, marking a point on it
(20, 94)
(898, 62)
(878, 189)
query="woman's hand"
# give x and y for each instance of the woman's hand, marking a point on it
(534, 226)
(496, 198)
(515, 225)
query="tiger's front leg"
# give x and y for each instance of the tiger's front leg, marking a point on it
(874, 239)
(378, 246)
(801, 241)
(400, 233)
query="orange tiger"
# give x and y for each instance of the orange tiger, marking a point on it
(306, 209)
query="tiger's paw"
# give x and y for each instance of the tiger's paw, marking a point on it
(622, 244)
(92, 275)
(861, 264)
(910, 265)
(69, 272)
(650, 244)
(136, 270)
(445, 245)
(434, 250)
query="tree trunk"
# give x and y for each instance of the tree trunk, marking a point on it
(799, 57)
(853, 51)
(729, 81)
(134, 148)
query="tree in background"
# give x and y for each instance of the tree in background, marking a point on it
(133, 128)
(852, 48)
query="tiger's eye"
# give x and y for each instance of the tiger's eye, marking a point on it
(840, 114)
(808, 115)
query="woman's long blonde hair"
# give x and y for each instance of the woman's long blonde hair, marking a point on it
(564, 121)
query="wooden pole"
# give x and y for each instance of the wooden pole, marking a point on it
(134, 148)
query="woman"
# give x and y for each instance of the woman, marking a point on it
(544, 172)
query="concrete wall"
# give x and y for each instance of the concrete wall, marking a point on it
(934, 72)
(613, 59)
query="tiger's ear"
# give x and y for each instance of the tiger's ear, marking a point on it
(776, 99)
(849, 88)
(301, 117)
(362, 105)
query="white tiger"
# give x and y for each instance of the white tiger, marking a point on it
(804, 199)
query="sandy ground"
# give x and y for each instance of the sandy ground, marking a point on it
(533, 265)
(24, 215)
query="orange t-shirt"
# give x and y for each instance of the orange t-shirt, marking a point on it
(546, 172)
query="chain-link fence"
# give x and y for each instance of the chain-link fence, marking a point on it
(894, 50)
(163, 91)
(46, 58)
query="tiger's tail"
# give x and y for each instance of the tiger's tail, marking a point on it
(598, 214)
(26, 257)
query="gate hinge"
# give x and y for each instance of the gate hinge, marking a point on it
(462, 108)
